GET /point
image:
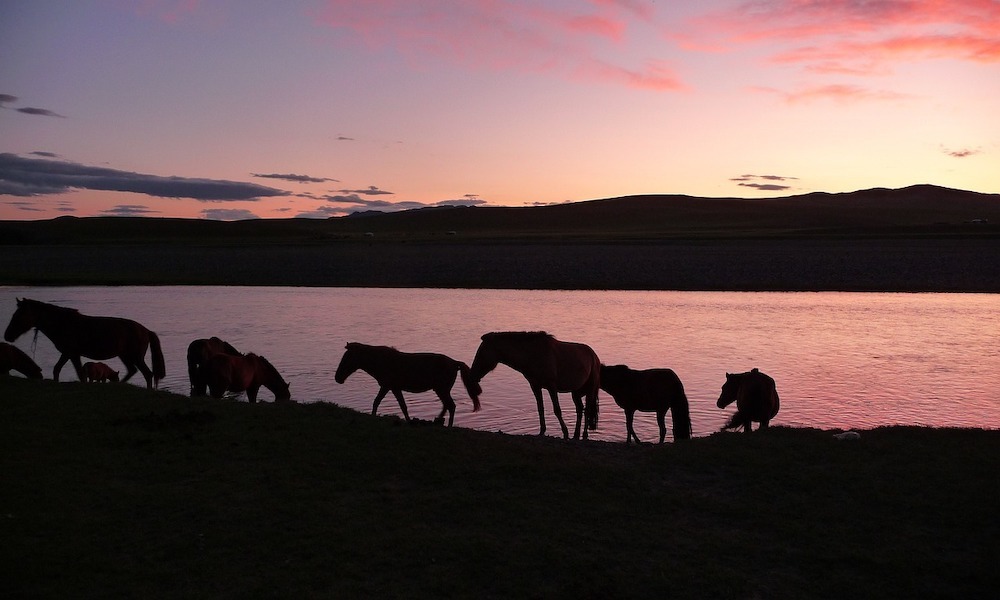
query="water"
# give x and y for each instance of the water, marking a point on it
(840, 360)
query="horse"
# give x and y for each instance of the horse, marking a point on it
(397, 371)
(756, 399)
(13, 358)
(549, 364)
(198, 353)
(99, 372)
(247, 372)
(649, 390)
(75, 335)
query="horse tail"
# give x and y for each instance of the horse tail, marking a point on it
(471, 385)
(159, 368)
(736, 421)
(592, 409)
(680, 415)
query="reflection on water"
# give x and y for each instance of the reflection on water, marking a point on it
(841, 360)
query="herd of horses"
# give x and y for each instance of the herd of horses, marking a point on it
(548, 364)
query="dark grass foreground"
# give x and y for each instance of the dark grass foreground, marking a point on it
(111, 491)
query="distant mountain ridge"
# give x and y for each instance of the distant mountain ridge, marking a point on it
(919, 210)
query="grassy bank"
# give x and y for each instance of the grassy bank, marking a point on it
(111, 491)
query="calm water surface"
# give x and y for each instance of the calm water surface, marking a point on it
(840, 360)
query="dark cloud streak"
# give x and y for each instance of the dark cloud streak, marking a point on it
(294, 178)
(35, 177)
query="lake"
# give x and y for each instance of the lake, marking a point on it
(840, 360)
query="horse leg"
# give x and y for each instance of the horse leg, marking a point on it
(537, 391)
(77, 364)
(660, 420)
(59, 365)
(402, 405)
(558, 412)
(448, 405)
(130, 370)
(578, 402)
(378, 399)
(146, 372)
(764, 424)
(630, 430)
(252, 393)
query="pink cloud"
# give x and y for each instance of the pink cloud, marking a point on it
(839, 93)
(576, 41)
(848, 36)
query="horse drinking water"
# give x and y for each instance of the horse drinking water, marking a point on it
(75, 335)
(397, 372)
(756, 399)
(198, 353)
(13, 358)
(649, 390)
(99, 372)
(243, 373)
(548, 364)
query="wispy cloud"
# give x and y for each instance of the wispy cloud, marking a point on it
(28, 110)
(764, 183)
(130, 210)
(371, 190)
(294, 178)
(961, 152)
(577, 41)
(859, 37)
(353, 203)
(21, 176)
(837, 92)
(228, 214)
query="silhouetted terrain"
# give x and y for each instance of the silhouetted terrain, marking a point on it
(920, 238)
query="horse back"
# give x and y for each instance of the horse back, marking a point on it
(576, 366)
(647, 390)
(758, 396)
(417, 371)
(101, 337)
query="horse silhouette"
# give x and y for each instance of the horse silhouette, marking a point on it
(548, 364)
(649, 390)
(399, 372)
(756, 399)
(243, 373)
(75, 335)
(13, 358)
(99, 372)
(198, 353)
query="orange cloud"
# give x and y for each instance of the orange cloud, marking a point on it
(578, 41)
(840, 93)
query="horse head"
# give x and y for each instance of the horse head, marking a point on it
(729, 390)
(22, 320)
(349, 363)
(487, 358)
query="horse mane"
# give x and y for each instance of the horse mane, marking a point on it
(55, 307)
(518, 335)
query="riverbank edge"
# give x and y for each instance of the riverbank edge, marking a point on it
(113, 490)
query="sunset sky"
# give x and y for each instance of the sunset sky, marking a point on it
(231, 109)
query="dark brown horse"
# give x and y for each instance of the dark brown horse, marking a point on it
(243, 373)
(99, 372)
(13, 358)
(399, 372)
(756, 399)
(198, 353)
(75, 335)
(547, 364)
(650, 390)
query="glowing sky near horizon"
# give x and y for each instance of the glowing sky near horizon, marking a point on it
(236, 109)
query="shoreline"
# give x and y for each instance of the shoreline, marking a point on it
(849, 265)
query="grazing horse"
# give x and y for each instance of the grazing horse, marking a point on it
(650, 390)
(198, 353)
(12, 357)
(98, 372)
(243, 373)
(397, 372)
(75, 335)
(756, 399)
(547, 364)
